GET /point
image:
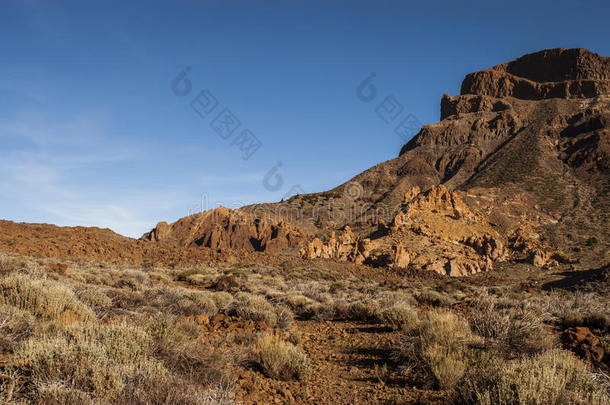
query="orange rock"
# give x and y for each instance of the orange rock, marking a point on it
(347, 247)
(402, 258)
(202, 320)
(583, 342)
(59, 268)
(223, 228)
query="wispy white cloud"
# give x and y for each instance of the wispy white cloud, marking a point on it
(235, 178)
(42, 155)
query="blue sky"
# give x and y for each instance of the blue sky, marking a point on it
(92, 133)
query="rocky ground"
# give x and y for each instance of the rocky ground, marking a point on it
(359, 334)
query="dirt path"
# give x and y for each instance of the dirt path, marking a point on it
(348, 368)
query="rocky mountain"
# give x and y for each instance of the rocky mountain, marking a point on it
(518, 167)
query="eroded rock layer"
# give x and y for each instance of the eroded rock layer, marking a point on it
(223, 228)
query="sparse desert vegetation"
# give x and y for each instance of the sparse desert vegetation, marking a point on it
(117, 334)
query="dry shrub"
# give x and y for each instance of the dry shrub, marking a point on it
(444, 328)
(307, 308)
(44, 298)
(7, 265)
(194, 276)
(578, 308)
(60, 393)
(437, 351)
(84, 365)
(222, 299)
(285, 317)
(488, 319)
(124, 343)
(280, 359)
(204, 300)
(199, 279)
(434, 298)
(93, 296)
(125, 299)
(512, 329)
(594, 320)
(341, 308)
(132, 279)
(364, 309)
(172, 330)
(446, 365)
(390, 298)
(180, 301)
(114, 363)
(528, 334)
(154, 385)
(160, 277)
(443, 337)
(146, 384)
(302, 306)
(199, 362)
(323, 311)
(399, 316)
(551, 378)
(253, 307)
(15, 325)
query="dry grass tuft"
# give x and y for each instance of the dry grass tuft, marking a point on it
(399, 316)
(551, 378)
(513, 330)
(253, 307)
(280, 359)
(84, 364)
(363, 310)
(46, 299)
(443, 339)
(196, 361)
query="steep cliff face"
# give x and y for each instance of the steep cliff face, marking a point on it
(552, 73)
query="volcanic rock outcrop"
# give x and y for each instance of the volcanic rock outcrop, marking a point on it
(517, 168)
(223, 228)
(552, 73)
(434, 230)
(347, 248)
(526, 144)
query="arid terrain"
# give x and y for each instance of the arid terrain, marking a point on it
(474, 268)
